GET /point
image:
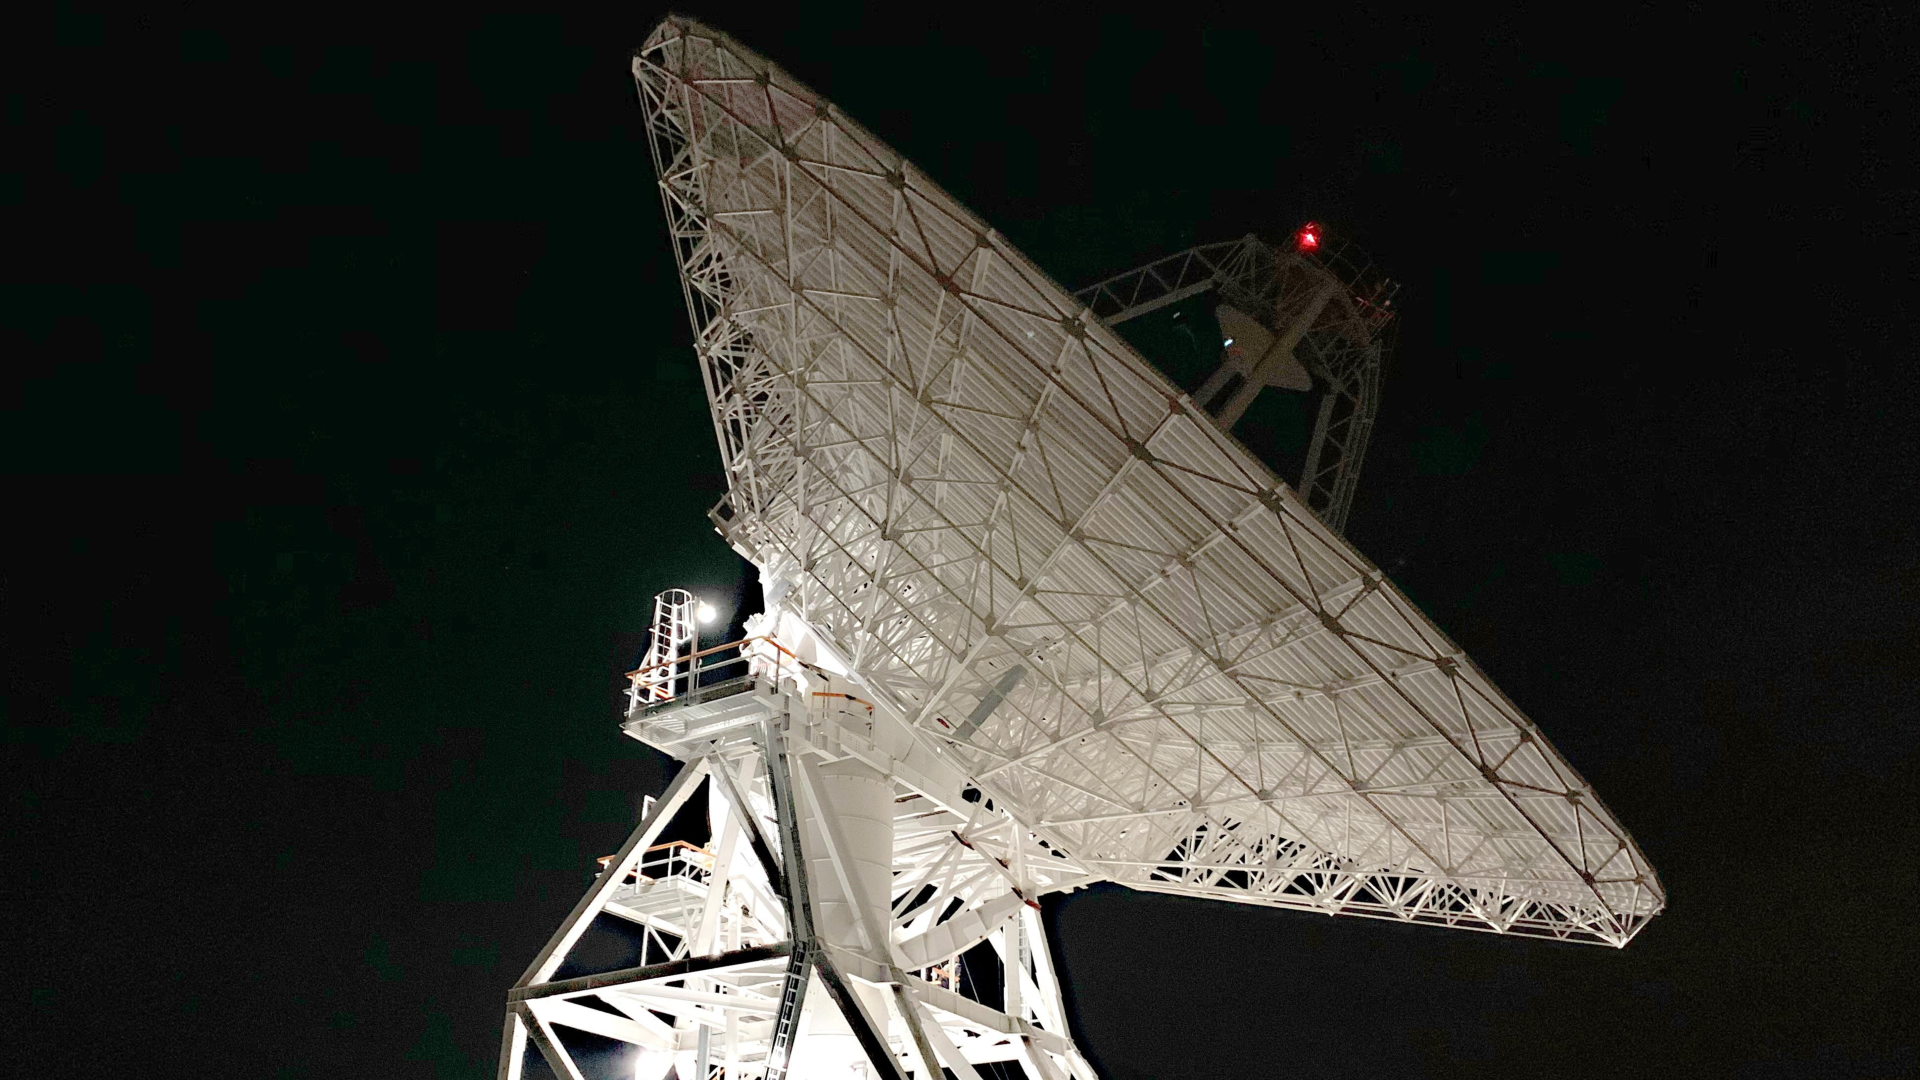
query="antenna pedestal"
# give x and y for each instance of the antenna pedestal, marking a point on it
(818, 931)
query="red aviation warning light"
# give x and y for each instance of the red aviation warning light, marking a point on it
(1308, 238)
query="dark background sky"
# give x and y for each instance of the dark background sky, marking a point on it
(354, 422)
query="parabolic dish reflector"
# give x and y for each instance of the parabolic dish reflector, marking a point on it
(952, 470)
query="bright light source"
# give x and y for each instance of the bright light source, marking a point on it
(1309, 237)
(1229, 341)
(704, 613)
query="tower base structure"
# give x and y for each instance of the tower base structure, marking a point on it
(818, 932)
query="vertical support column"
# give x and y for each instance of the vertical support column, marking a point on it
(793, 864)
(850, 808)
(704, 939)
(733, 1045)
(1015, 966)
(1012, 950)
(793, 990)
(1323, 422)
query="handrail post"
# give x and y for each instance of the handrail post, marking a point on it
(668, 680)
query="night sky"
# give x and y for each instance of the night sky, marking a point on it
(354, 423)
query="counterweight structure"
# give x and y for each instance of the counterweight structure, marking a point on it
(1033, 620)
(1311, 314)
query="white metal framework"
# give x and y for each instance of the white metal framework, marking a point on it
(816, 933)
(1045, 597)
(1318, 313)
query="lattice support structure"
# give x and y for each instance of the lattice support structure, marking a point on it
(810, 935)
(1033, 620)
(949, 468)
(1329, 310)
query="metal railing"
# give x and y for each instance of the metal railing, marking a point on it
(675, 859)
(683, 677)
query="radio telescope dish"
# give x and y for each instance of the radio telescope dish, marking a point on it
(1065, 630)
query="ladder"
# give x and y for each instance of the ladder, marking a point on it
(799, 921)
(792, 996)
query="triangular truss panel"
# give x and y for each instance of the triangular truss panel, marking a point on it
(757, 954)
(1041, 556)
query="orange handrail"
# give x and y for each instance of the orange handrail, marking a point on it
(742, 643)
(605, 859)
(849, 697)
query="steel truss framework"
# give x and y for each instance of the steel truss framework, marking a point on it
(1039, 555)
(747, 971)
(1330, 309)
(1093, 637)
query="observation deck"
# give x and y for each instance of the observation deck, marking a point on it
(716, 697)
(685, 704)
